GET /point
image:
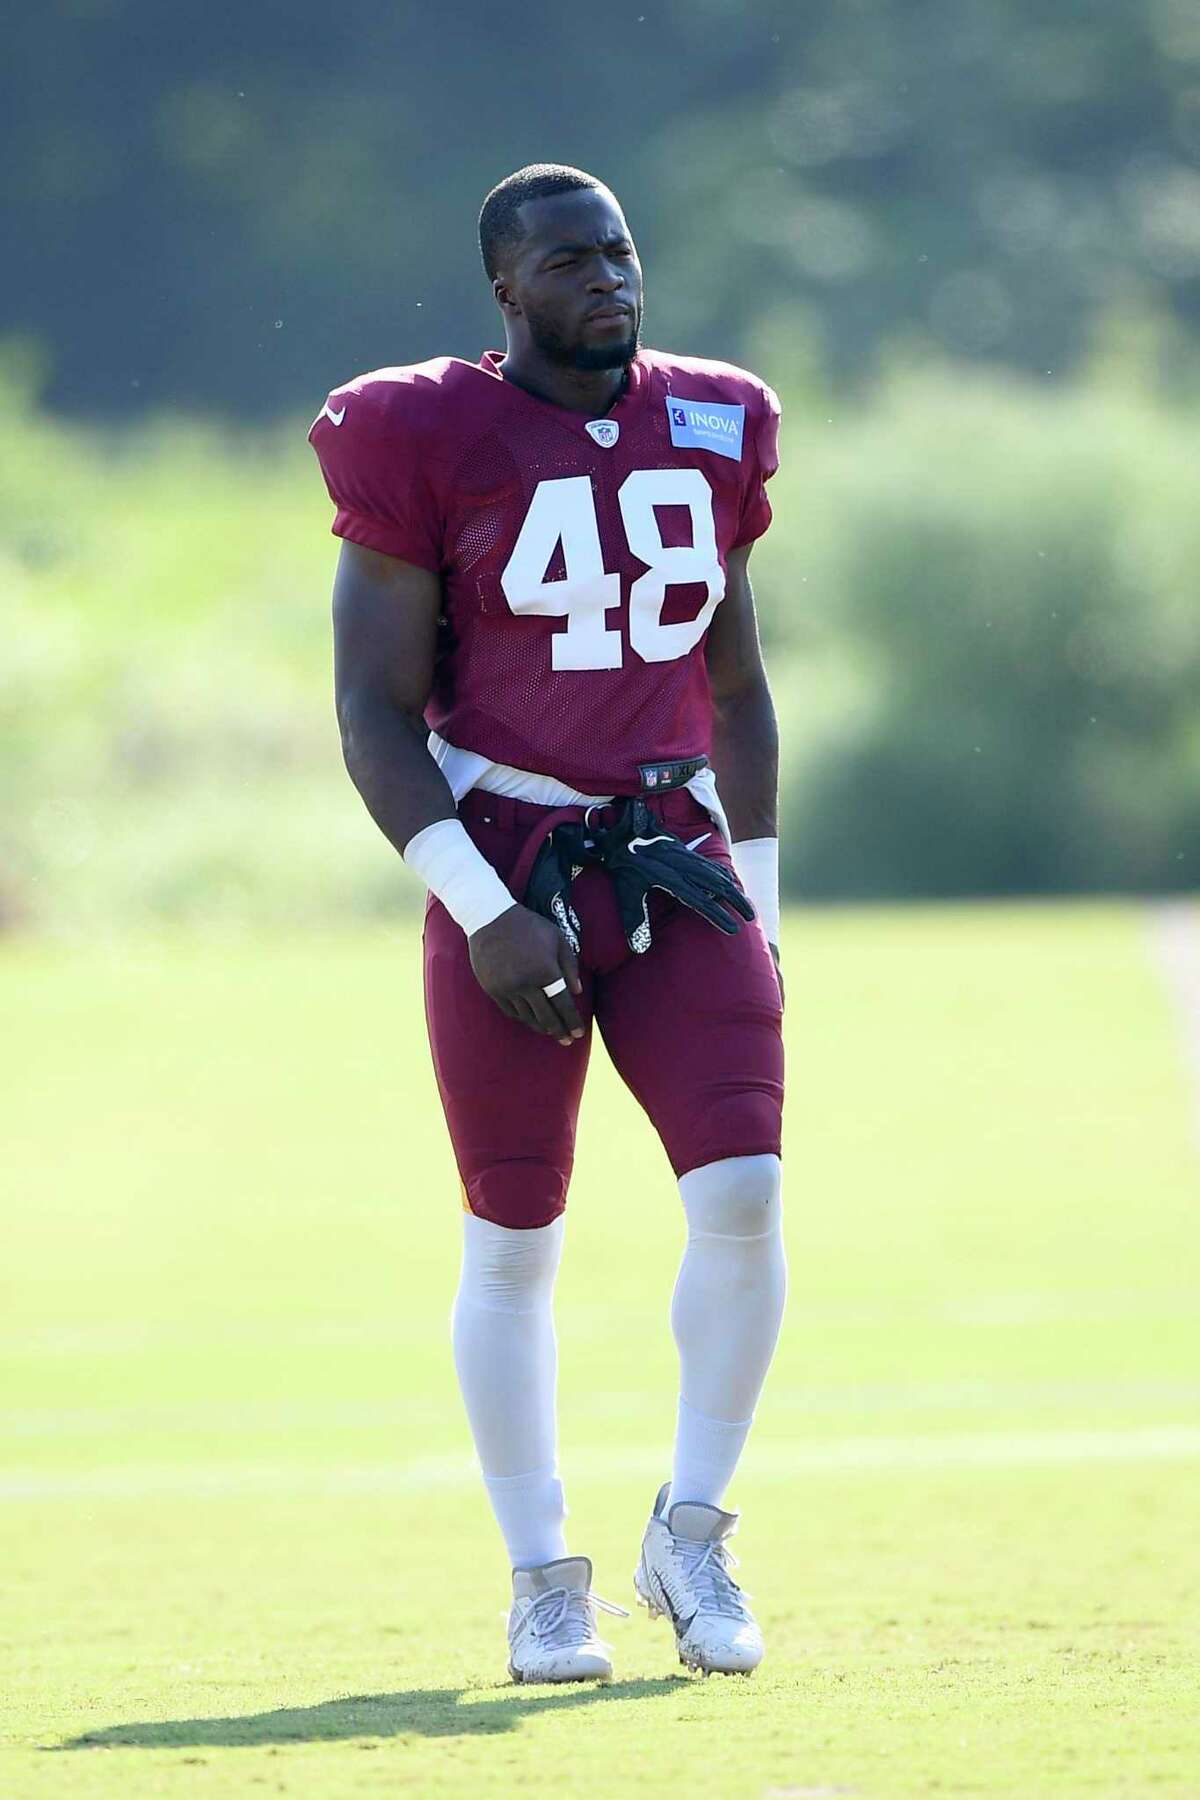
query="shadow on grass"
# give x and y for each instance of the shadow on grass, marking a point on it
(424, 1712)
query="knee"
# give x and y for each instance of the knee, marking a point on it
(509, 1271)
(740, 1197)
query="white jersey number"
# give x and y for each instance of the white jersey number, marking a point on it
(564, 512)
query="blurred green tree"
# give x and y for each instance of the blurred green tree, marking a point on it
(1008, 573)
(229, 208)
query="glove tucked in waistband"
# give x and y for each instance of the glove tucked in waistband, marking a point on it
(640, 854)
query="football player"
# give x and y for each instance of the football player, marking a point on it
(552, 700)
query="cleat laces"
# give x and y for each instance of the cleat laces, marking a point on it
(563, 1618)
(706, 1567)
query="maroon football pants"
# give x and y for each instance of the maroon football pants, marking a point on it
(693, 1027)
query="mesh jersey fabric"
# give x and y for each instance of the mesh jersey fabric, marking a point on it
(440, 463)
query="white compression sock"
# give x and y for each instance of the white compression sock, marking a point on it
(726, 1313)
(507, 1361)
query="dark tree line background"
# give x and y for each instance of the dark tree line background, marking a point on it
(223, 206)
(961, 237)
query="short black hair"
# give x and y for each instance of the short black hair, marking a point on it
(499, 227)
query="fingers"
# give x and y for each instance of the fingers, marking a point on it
(550, 1015)
(568, 962)
(721, 885)
(532, 1009)
(566, 1013)
(516, 1008)
(716, 886)
(564, 1003)
(545, 1014)
(555, 1017)
(705, 906)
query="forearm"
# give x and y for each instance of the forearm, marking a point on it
(407, 796)
(745, 759)
(388, 760)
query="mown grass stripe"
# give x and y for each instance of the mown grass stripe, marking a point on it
(774, 1462)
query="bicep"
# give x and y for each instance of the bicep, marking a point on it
(732, 650)
(385, 618)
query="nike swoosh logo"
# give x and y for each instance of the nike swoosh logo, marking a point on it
(696, 842)
(677, 1618)
(635, 843)
(337, 417)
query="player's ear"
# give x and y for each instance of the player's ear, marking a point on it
(504, 296)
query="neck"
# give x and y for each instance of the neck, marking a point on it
(590, 391)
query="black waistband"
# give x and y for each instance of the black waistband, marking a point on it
(511, 814)
(661, 777)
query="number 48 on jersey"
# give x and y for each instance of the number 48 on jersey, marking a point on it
(564, 511)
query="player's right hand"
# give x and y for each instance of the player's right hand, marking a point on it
(515, 959)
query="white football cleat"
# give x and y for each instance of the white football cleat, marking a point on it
(684, 1573)
(552, 1626)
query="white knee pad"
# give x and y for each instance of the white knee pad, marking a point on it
(740, 1197)
(509, 1271)
(729, 1297)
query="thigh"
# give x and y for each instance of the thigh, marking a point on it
(695, 1029)
(511, 1096)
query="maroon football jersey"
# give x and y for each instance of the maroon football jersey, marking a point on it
(581, 559)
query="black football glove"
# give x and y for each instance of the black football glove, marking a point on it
(548, 890)
(641, 855)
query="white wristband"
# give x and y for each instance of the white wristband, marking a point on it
(757, 863)
(461, 877)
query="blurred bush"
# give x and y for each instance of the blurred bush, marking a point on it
(995, 583)
(978, 599)
(166, 722)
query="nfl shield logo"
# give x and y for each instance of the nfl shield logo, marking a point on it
(604, 431)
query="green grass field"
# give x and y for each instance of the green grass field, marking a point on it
(243, 1549)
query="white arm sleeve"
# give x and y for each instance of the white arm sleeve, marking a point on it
(757, 863)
